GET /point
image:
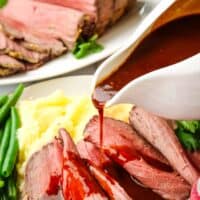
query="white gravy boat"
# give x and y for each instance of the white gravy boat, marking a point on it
(172, 92)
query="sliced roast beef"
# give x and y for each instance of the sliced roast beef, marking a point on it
(119, 9)
(15, 50)
(195, 158)
(195, 192)
(87, 6)
(9, 66)
(97, 162)
(167, 184)
(105, 11)
(31, 39)
(43, 173)
(109, 184)
(121, 146)
(77, 182)
(158, 132)
(61, 22)
(6, 71)
(88, 151)
(123, 183)
(117, 132)
(8, 62)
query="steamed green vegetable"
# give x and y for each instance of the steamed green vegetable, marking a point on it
(12, 151)
(9, 123)
(2, 183)
(5, 109)
(3, 99)
(188, 133)
(86, 47)
(11, 189)
(3, 3)
(5, 142)
(191, 126)
(3, 196)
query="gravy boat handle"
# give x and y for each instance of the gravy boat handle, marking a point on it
(172, 92)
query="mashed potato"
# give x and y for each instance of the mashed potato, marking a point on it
(41, 119)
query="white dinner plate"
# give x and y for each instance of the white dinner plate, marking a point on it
(71, 86)
(112, 40)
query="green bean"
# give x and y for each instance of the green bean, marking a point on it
(2, 183)
(4, 111)
(5, 141)
(4, 196)
(1, 134)
(11, 154)
(3, 99)
(12, 190)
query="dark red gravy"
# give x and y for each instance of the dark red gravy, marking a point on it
(167, 45)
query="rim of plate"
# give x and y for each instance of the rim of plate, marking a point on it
(28, 79)
(85, 79)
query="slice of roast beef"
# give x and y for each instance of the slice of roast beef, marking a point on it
(6, 72)
(116, 132)
(119, 9)
(13, 49)
(167, 184)
(43, 173)
(195, 192)
(121, 146)
(109, 184)
(97, 161)
(87, 6)
(60, 22)
(101, 10)
(77, 182)
(9, 66)
(158, 132)
(104, 11)
(195, 158)
(31, 39)
(123, 182)
(88, 151)
(8, 62)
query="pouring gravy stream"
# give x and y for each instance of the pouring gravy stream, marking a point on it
(171, 43)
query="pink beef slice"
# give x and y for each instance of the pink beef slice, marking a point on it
(31, 39)
(97, 161)
(88, 151)
(195, 158)
(123, 147)
(117, 131)
(195, 192)
(104, 11)
(11, 63)
(157, 131)
(76, 176)
(119, 9)
(41, 167)
(62, 23)
(14, 49)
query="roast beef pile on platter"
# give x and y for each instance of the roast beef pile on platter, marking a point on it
(33, 32)
(142, 158)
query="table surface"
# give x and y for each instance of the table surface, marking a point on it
(85, 71)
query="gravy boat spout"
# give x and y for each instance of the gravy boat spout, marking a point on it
(172, 92)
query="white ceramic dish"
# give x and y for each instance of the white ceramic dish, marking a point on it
(113, 39)
(71, 85)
